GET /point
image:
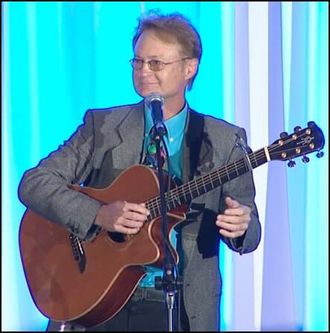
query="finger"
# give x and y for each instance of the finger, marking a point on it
(230, 234)
(232, 226)
(234, 219)
(134, 216)
(128, 231)
(139, 208)
(127, 226)
(240, 211)
(132, 223)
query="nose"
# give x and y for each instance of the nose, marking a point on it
(145, 67)
(145, 70)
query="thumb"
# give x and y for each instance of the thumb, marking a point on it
(231, 203)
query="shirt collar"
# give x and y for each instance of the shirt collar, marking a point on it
(174, 126)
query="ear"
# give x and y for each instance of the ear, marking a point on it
(191, 68)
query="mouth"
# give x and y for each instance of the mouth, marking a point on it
(148, 83)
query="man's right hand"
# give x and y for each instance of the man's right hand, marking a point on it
(121, 216)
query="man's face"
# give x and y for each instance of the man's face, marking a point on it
(171, 81)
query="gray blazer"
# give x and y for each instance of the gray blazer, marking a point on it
(111, 140)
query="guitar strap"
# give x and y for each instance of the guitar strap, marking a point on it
(194, 141)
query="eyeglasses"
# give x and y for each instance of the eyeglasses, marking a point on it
(154, 65)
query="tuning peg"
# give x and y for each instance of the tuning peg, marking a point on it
(305, 159)
(319, 154)
(283, 135)
(297, 129)
(291, 164)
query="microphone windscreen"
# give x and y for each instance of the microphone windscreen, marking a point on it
(154, 97)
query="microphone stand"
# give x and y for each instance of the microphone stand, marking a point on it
(168, 282)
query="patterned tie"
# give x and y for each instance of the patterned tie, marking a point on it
(151, 156)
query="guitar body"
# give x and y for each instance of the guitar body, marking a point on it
(113, 269)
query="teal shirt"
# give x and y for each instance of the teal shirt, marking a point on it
(175, 127)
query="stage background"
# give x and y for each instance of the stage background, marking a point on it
(264, 67)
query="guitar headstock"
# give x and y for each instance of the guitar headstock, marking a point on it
(300, 143)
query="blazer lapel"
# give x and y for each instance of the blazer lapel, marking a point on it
(131, 135)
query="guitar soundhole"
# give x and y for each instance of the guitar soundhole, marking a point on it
(117, 237)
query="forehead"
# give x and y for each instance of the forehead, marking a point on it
(155, 44)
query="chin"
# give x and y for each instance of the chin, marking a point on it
(147, 91)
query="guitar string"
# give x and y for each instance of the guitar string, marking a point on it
(174, 194)
(235, 166)
(216, 174)
(179, 192)
(230, 168)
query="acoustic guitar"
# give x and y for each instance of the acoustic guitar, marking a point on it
(90, 281)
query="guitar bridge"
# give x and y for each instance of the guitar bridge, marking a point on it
(78, 252)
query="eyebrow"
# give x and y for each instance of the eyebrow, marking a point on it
(154, 57)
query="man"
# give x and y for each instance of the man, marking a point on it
(167, 53)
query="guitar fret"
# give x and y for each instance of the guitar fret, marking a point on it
(195, 193)
(179, 194)
(232, 174)
(227, 173)
(188, 197)
(154, 212)
(216, 182)
(218, 177)
(203, 189)
(236, 168)
(191, 193)
(178, 199)
(209, 187)
(170, 204)
(255, 160)
(245, 167)
(184, 197)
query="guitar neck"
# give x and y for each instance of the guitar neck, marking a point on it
(185, 193)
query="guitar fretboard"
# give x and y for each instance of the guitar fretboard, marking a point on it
(185, 193)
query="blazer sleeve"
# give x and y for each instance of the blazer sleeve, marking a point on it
(243, 190)
(44, 188)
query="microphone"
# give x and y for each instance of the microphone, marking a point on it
(155, 102)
